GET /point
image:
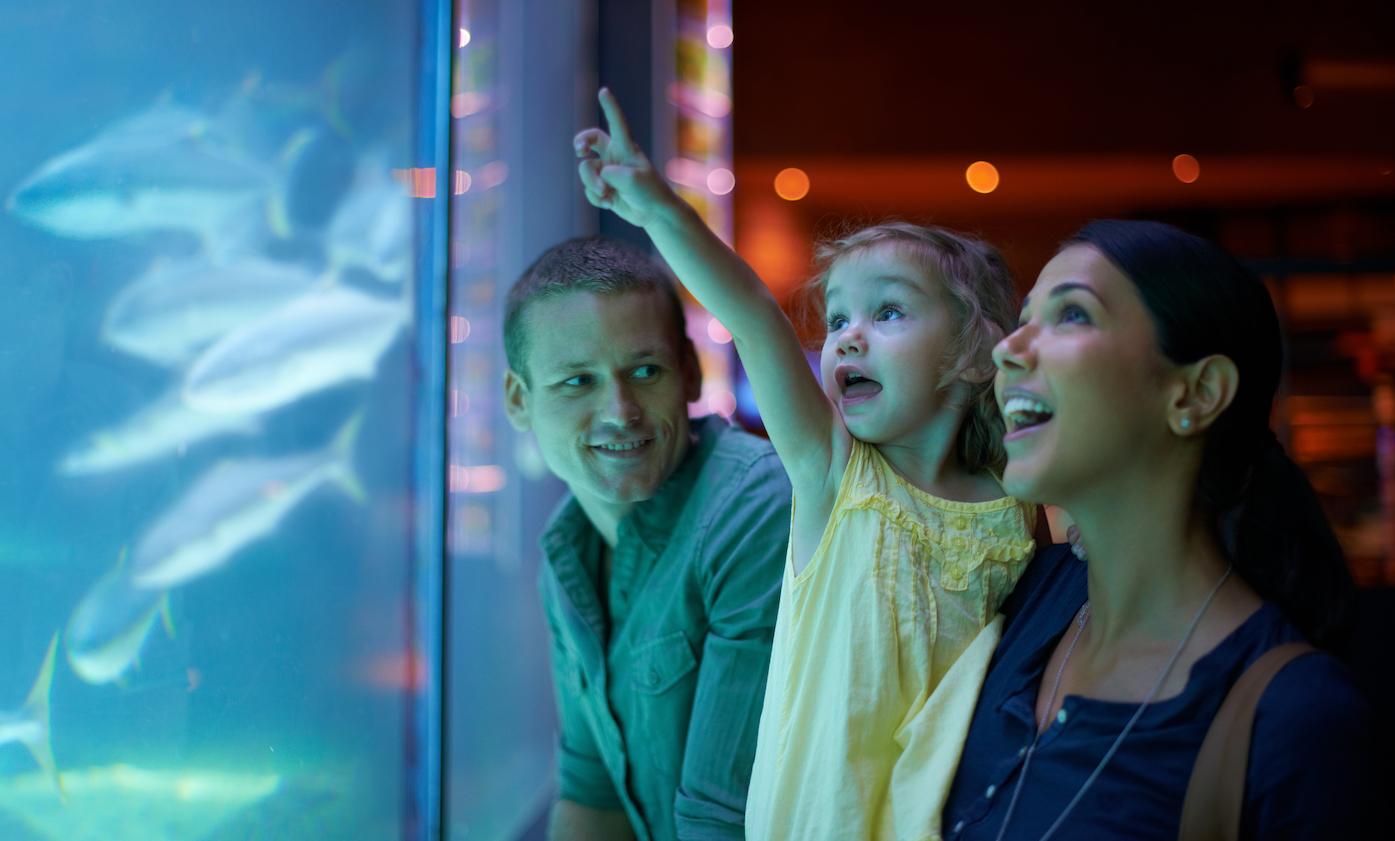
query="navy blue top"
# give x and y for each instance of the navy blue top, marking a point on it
(1311, 773)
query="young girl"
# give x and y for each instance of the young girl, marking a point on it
(902, 544)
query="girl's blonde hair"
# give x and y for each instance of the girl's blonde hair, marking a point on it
(979, 285)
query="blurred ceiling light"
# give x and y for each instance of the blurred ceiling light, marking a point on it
(1186, 168)
(721, 181)
(792, 184)
(719, 37)
(982, 177)
(717, 333)
(464, 36)
(462, 182)
(459, 329)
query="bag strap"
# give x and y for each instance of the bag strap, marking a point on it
(1216, 791)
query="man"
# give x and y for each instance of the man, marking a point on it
(662, 567)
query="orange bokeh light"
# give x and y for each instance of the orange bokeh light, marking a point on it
(792, 184)
(1186, 168)
(982, 177)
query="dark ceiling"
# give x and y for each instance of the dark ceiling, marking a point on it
(893, 79)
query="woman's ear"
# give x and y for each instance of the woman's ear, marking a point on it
(1206, 388)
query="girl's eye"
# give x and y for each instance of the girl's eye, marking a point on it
(646, 372)
(1072, 314)
(837, 322)
(889, 314)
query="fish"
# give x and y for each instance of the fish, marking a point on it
(165, 427)
(29, 725)
(180, 306)
(108, 628)
(372, 228)
(166, 168)
(235, 504)
(322, 339)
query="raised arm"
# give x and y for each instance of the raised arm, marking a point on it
(802, 424)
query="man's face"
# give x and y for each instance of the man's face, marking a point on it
(606, 393)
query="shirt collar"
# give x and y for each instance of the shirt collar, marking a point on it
(651, 521)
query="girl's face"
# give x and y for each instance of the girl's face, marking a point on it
(1081, 382)
(890, 328)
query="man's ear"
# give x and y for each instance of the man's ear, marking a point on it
(692, 371)
(517, 400)
(1205, 389)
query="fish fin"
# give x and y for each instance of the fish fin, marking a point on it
(343, 450)
(332, 84)
(166, 619)
(278, 218)
(36, 707)
(121, 555)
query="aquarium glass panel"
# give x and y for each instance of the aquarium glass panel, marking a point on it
(210, 385)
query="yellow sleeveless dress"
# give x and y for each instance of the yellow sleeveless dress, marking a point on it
(881, 645)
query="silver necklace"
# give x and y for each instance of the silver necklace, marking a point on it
(1084, 617)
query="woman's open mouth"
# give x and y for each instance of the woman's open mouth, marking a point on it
(1024, 414)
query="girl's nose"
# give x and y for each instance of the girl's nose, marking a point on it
(852, 342)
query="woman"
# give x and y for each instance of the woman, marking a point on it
(1136, 391)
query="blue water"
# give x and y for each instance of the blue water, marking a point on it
(278, 702)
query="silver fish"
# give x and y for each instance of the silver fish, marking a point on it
(372, 228)
(167, 426)
(108, 628)
(29, 724)
(178, 307)
(167, 168)
(320, 340)
(233, 505)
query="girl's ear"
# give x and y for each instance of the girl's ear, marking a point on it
(1205, 389)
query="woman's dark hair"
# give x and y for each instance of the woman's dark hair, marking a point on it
(1203, 302)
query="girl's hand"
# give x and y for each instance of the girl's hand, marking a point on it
(614, 171)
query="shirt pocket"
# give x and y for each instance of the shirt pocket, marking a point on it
(664, 680)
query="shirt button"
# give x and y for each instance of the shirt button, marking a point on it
(1061, 717)
(653, 677)
(1021, 752)
(959, 827)
(989, 792)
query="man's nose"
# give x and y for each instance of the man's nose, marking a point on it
(620, 408)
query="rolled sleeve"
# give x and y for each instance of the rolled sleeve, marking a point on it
(747, 552)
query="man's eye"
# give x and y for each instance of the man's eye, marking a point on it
(577, 381)
(646, 372)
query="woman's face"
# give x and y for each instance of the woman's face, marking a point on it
(1081, 383)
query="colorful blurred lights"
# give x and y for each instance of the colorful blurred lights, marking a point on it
(792, 184)
(1186, 168)
(719, 37)
(717, 333)
(459, 329)
(982, 177)
(721, 181)
(464, 36)
(722, 402)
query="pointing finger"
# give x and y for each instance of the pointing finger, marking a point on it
(615, 118)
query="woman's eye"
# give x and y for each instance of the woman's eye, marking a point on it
(1072, 314)
(646, 372)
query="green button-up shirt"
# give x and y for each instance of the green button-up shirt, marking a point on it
(660, 683)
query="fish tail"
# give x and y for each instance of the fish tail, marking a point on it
(36, 706)
(343, 451)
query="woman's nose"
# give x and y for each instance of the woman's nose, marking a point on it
(1015, 351)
